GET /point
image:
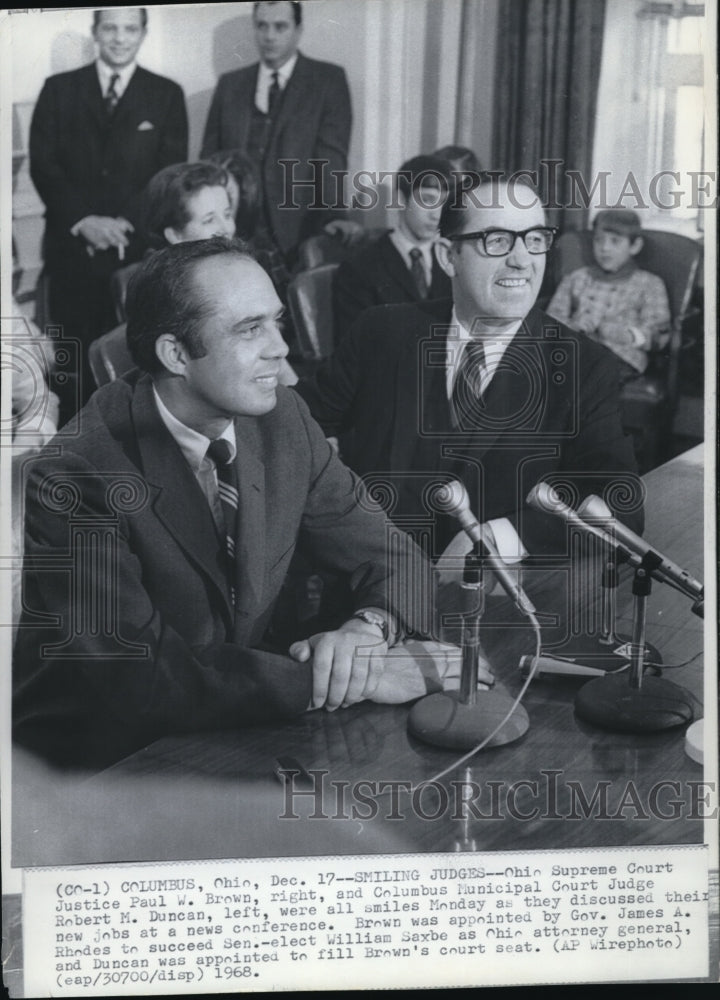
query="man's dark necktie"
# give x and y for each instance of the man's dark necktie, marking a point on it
(468, 389)
(220, 452)
(273, 94)
(417, 269)
(112, 97)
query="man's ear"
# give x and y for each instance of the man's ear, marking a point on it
(171, 354)
(636, 246)
(445, 252)
(172, 235)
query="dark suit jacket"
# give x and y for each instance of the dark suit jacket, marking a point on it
(376, 276)
(82, 165)
(170, 655)
(550, 412)
(314, 122)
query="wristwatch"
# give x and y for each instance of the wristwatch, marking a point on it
(373, 618)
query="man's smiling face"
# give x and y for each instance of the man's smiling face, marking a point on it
(496, 290)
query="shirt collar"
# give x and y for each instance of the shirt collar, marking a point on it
(105, 73)
(284, 72)
(403, 245)
(494, 345)
(192, 443)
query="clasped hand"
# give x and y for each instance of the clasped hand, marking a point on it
(102, 232)
(354, 664)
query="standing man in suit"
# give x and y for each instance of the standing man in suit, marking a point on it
(285, 108)
(483, 386)
(98, 135)
(400, 266)
(172, 510)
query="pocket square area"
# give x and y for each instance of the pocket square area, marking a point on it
(145, 126)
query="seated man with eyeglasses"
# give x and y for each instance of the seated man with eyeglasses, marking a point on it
(484, 387)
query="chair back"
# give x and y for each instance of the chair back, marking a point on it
(109, 357)
(310, 302)
(326, 249)
(118, 289)
(672, 257)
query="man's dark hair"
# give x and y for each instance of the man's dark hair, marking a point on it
(165, 199)
(295, 4)
(463, 193)
(97, 17)
(422, 171)
(460, 158)
(162, 298)
(245, 173)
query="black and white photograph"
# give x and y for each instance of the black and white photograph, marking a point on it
(358, 495)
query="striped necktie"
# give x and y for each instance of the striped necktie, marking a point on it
(112, 97)
(417, 269)
(273, 94)
(468, 389)
(220, 452)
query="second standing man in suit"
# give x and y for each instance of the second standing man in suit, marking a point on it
(285, 112)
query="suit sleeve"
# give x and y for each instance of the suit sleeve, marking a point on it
(331, 392)
(352, 295)
(65, 201)
(347, 532)
(174, 148)
(108, 691)
(333, 136)
(212, 136)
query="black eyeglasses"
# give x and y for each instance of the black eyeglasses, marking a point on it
(499, 242)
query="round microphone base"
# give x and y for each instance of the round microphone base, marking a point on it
(610, 702)
(443, 720)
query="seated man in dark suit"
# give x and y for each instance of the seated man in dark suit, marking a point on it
(483, 387)
(98, 134)
(401, 265)
(161, 527)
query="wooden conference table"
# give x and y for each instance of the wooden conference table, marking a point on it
(215, 795)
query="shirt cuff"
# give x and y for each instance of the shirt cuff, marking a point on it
(507, 541)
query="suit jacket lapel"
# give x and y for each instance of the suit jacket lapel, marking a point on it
(420, 413)
(251, 542)
(294, 97)
(92, 96)
(510, 396)
(177, 498)
(133, 95)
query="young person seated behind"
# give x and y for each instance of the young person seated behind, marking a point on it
(613, 301)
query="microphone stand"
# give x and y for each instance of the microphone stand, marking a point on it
(460, 720)
(634, 703)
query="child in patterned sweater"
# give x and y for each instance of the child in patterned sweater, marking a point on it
(613, 301)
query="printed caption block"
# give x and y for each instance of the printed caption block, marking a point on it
(433, 920)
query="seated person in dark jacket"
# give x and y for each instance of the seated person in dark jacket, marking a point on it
(161, 526)
(482, 386)
(400, 266)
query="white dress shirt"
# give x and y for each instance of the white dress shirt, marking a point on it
(265, 79)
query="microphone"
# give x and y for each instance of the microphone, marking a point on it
(468, 719)
(595, 508)
(452, 498)
(544, 498)
(631, 703)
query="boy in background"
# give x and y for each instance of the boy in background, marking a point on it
(613, 301)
